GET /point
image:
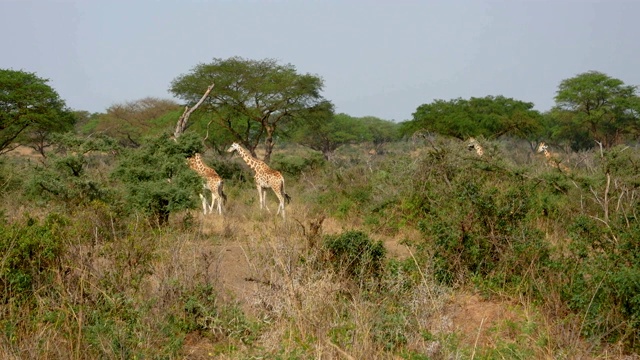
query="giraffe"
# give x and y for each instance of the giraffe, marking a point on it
(551, 160)
(265, 177)
(472, 143)
(212, 181)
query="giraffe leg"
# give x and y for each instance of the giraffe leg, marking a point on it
(213, 202)
(280, 205)
(264, 199)
(204, 204)
(260, 195)
(219, 198)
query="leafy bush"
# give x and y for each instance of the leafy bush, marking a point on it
(157, 178)
(204, 313)
(355, 255)
(295, 165)
(30, 255)
(602, 280)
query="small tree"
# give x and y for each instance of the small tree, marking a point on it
(157, 178)
(30, 110)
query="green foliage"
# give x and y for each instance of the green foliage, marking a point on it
(30, 111)
(295, 165)
(203, 312)
(602, 274)
(380, 131)
(593, 106)
(325, 132)
(478, 220)
(355, 255)
(389, 329)
(251, 99)
(30, 256)
(64, 176)
(130, 122)
(157, 178)
(489, 117)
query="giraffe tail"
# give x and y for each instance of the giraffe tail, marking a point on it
(223, 196)
(287, 198)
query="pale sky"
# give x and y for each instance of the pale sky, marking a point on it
(378, 58)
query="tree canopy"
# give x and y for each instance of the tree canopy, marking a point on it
(594, 106)
(251, 98)
(30, 110)
(490, 116)
(131, 121)
(325, 131)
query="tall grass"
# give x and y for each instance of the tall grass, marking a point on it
(504, 257)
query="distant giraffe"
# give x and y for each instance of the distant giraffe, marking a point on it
(551, 159)
(472, 144)
(212, 181)
(265, 177)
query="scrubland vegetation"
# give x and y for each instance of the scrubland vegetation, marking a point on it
(426, 251)
(402, 240)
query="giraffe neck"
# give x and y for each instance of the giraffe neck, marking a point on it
(253, 163)
(196, 163)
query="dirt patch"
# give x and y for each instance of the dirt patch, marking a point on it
(478, 320)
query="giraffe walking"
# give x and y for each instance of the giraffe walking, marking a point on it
(212, 181)
(551, 160)
(265, 177)
(473, 144)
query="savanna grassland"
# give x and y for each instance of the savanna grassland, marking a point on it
(423, 250)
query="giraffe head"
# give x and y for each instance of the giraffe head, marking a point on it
(542, 147)
(471, 143)
(234, 147)
(194, 159)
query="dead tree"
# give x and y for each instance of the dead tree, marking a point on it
(184, 118)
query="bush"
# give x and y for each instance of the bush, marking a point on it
(355, 255)
(295, 165)
(30, 254)
(602, 280)
(157, 178)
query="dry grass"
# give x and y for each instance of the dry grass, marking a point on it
(279, 277)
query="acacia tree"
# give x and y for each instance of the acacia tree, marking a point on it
(596, 106)
(30, 110)
(252, 98)
(489, 117)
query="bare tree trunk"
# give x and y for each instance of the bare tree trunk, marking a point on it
(181, 126)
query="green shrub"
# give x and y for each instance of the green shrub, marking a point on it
(157, 179)
(30, 253)
(295, 165)
(602, 280)
(355, 255)
(203, 312)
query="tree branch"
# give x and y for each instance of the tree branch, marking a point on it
(181, 126)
